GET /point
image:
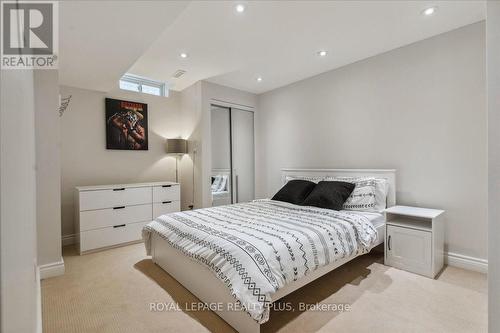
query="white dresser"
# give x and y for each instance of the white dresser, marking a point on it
(112, 215)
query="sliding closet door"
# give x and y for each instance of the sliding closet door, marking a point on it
(243, 156)
(221, 156)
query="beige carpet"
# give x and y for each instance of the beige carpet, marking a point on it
(111, 291)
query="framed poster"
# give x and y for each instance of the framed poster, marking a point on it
(126, 125)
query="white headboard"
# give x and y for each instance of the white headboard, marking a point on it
(389, 174)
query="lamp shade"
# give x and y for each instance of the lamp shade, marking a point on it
(176, 146)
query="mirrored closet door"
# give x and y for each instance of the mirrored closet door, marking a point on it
(233, 169)
(242, 155)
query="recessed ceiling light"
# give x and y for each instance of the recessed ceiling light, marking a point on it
(240, 8)
(259, 79)
(322, 53)
(183, 55)
(429, 11)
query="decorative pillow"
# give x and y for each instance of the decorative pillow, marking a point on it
(381, 191)
(363, 196)
(295, 191)
(329, 195)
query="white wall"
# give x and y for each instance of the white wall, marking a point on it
(191, 130)
(18, 250)
(493, 56)
(420, 109)
(48, 166)
(85, 159)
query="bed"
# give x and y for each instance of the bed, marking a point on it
(242, 258)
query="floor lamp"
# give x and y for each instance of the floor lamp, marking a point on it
(176, 147)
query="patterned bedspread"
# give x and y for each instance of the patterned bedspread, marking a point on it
(257, 248)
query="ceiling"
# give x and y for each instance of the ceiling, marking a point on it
(100, 40)
(275, 40)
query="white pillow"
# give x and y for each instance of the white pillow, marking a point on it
(363, 196)
(381, 191)
(369, 195)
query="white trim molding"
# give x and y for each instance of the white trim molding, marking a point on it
(39, 325)
(466, 262)
(68, 239)
(219, 102)
(52, 269)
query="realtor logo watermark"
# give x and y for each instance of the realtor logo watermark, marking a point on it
(29, 34)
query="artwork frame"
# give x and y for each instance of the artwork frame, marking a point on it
(126, 125)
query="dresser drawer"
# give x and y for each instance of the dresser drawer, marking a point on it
(166, 193)
(166, 207)
(109, 236)
(94, 219)
(114, 197)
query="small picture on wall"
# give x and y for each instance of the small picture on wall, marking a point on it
(126, 125)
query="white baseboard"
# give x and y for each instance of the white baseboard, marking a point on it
(68, 239)
(38, 302)
(52, 269)
(466, 262)
(451, 259)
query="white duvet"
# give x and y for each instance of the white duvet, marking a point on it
(257, 248)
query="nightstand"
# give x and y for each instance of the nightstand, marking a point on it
(414, 239)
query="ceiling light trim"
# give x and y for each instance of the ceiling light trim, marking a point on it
(322, 53)
(240, 8)
(429, 11)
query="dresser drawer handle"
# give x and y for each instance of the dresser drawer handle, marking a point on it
(166, 202)
(119, 189)
(119, 226)
(166, 186)
(119, 207)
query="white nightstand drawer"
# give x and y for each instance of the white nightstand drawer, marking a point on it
(166, 193)
(99, 238)
(166, 207)
(119, 196)
(94, 219)
(409, 249)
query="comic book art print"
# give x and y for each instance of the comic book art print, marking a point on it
(126, 125)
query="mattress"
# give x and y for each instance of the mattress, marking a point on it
(377, 219)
